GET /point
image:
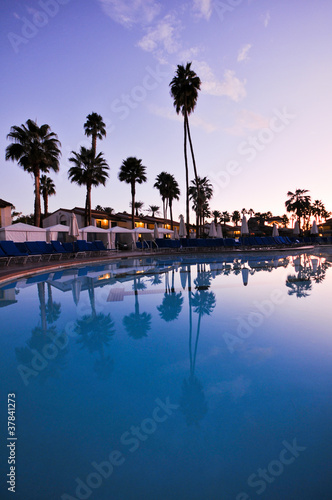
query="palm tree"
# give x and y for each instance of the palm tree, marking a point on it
(132, 171)
(172, 193)
(161, 184)
(47, 188)
(251, 212)
(184, 90)
(154, 210)
(200, 193)
(88, 170)
(36, 149)
(96, 128)
(216, 214)
(138, 206)
(285, 220)
(236, 217)
(298, 202)
(225, 217)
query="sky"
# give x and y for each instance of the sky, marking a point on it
(263, 121)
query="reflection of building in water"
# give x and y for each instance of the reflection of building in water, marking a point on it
(7, 297)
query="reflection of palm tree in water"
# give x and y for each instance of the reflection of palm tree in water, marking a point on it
(95, 331)
(137, 324)
(193, 402)
(51, 356)
(53, 309)
(171, 306)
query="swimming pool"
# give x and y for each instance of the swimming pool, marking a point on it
(170, 378)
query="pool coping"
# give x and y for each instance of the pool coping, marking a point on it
(8, 274)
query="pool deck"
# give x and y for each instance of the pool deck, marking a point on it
(17, 271)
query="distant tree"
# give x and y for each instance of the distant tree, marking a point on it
(88, 170)
(47, 188)
(172, 193)
(107, 210)
(285, 220)
(251, 212)
(244, 211)
(298, 203)
(200, 194)
(138, 206)
(216, 214)
(225, 217)
(95, 128)
(36, 149)
(236, 217)
(161, 185)
(132, 171)
(154, 210)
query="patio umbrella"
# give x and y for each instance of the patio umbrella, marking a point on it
(244, 226)
(219, 231)
(296, 229)
(73, 227)
(212, 231)
(314, 228)
(245, 275)
(182, 228)
(275, 231)
(176, 234)
(155, 231)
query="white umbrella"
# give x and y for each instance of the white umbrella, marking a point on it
(296, 229)
(275, 231)
(121, 230)
(244, 226)
(212, 231)
(245, 275)
(73, 226)
(314, 228)
(155, 231)
(182, 228)
(219, 231)
(176, 234)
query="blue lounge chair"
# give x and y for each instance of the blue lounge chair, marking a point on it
(11, 250)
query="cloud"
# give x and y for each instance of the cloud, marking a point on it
(266, 19)
(131, 12)
(230, 86)
(247, 121)
(170, 114)
(243, 53)
(164, 37)
(203, 8)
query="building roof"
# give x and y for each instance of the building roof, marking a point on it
(4, 204)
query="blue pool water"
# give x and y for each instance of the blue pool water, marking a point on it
(171, 378)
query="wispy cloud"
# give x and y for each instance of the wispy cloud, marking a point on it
(170, 114)
(131, 12)
(230, 86)
(247, 121)
(243, 53)
(203, 8)
(266, 19)
(163, 37)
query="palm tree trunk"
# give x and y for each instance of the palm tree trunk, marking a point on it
(187, 176)
(195, 169)
(171, 213)
(94, 144)
(37, 199)
(133, 205)
(45, 204)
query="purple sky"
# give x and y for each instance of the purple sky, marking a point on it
(263, 121)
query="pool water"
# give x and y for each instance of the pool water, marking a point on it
(166, 378)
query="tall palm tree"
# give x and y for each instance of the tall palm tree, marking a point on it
(161, 185)
(184, 90)
(132, 171)
(154, 209)
(47, 188)
(88, 170)
(216, 214)
(36, 149)
(94, 127)
(200, 193)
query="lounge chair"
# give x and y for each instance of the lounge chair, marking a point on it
(11, 250)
